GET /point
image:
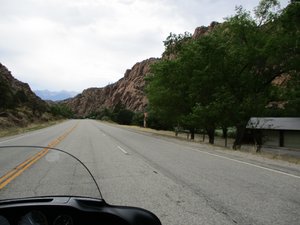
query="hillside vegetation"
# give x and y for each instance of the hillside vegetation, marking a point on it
(20, 107)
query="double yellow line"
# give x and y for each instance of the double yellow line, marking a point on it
(18, 170)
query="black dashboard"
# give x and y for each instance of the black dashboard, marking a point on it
(71, 211)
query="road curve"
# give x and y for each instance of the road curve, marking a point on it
(180, 182)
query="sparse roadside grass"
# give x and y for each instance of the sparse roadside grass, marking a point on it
(4, 132)
(246, 150)
(153, 131)
(279, 156)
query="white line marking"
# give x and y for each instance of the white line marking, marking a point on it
(249, 164)
(126, 153)
(20, 137)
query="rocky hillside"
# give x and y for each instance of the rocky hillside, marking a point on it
(203, 30)
(128, 91)
(19, 106)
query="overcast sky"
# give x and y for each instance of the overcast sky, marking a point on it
(76, 44)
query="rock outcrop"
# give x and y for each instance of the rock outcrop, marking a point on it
(128, 91)
(203, 30)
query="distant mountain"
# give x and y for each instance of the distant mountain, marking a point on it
(55, 95)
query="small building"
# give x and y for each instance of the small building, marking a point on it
(277, 131)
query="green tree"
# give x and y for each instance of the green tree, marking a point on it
(288, 31)
(165, 96)
(204, 58)
(138, 119)
(225, 77)
(244, 61)
(174, 43)
(267, 11)
(61, 110)
(122, 115)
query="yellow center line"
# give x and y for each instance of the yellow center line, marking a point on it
(18, 170)
(20, 166)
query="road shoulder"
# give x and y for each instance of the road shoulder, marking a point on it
(264, 160)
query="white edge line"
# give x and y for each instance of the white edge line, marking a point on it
(20, 137)
(126, 153)
(249, 164)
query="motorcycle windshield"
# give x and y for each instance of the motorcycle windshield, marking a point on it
(43, 171)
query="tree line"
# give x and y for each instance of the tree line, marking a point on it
(248, 66)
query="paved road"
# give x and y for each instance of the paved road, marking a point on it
(182, 183)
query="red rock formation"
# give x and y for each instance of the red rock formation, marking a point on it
(200, 31)
(129, 91)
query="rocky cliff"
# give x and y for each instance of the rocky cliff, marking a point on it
(203, 30)
(18, 104)
(128, 91)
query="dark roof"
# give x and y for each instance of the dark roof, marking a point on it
(274, 123)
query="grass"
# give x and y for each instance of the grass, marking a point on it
(282, 157)
(32, 127)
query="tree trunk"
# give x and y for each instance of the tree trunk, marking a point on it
(225, 135)
(240, 131)
(192, 130)
(211, 135)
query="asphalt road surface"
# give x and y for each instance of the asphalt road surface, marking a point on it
(182, 183)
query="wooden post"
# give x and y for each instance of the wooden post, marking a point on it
(145, 119)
